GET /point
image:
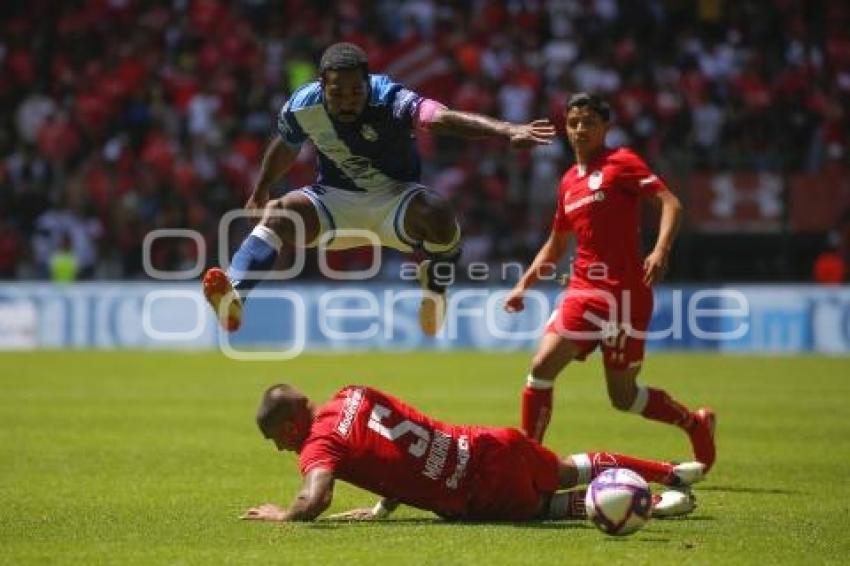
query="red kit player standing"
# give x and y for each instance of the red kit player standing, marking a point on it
(379, 443)
(608, 302)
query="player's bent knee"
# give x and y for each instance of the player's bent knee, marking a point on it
(290, 213)
(274, 219)
(438, 219)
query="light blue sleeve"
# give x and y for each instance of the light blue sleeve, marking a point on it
(288, 128)
(403, 102)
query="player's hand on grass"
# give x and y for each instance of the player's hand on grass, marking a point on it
(265, 512)
(538, 132)
(654, 267)
(363, 514)
(515, 302)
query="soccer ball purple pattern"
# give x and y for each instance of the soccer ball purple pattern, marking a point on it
(618, 501)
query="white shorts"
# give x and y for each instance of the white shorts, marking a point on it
(342, 214)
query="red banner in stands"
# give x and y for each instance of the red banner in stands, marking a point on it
(817, 201)
(736, 202)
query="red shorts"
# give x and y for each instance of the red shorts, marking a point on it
(590, 318)
(512, 477)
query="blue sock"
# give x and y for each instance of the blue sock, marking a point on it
(255, 254)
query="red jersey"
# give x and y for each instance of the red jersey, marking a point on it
(600, 204)
(379, 443)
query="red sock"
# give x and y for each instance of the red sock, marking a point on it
(661, 407)
(536, 408)
(650, 470)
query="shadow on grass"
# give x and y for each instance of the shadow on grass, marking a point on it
(747, 489)
(685, 519)
(436, 521)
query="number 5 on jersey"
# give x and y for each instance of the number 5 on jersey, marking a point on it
(423, 437)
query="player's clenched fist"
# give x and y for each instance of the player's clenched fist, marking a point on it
(515, 301)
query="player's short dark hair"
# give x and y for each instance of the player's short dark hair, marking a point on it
(340, 56)
(592, 101)
(274, 406)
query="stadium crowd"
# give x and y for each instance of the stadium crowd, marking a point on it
(121, 116)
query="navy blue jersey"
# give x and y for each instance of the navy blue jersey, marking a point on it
(376, 151)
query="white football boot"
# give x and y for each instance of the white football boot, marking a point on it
(688, 473)
(673, 503)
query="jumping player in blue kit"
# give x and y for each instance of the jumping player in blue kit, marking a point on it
(363, 127)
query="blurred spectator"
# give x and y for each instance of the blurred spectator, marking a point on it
(829, 268)
(155, 113)
(57, 229)
(10, 249)
(63, 263)
(32, 113)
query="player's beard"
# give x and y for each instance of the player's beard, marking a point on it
(347, 117)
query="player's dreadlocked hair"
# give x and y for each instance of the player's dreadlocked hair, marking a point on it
(343, 56)
(592, 101)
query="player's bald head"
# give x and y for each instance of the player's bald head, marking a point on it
(279, 402)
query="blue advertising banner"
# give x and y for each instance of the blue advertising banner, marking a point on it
(282, 321)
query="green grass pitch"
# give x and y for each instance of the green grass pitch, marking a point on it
(148, 458)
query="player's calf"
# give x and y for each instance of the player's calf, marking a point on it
(436, 273)
(254, 258)
(671, 503)
(701, 434)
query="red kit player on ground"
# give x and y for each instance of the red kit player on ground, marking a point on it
(608, 302)
(378, 443)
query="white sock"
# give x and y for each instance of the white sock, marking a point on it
(567, 505)
(584, 467)
(534, 383)
(267, 235)
(641, 399)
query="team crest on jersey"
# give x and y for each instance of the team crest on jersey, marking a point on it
(595, 180)
(368, 132)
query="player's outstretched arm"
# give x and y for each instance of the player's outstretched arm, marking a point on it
(277, 160)
(315, 496)
(655, 264)
(476, 126)
(381, 510)
(545, 262)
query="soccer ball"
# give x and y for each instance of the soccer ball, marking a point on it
(618, 501)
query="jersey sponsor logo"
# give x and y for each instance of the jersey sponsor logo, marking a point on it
(594, 183)
(437, 456)
(583, 201)
(648, 180)
(368, 132)
(349, 411)
(462, 461)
